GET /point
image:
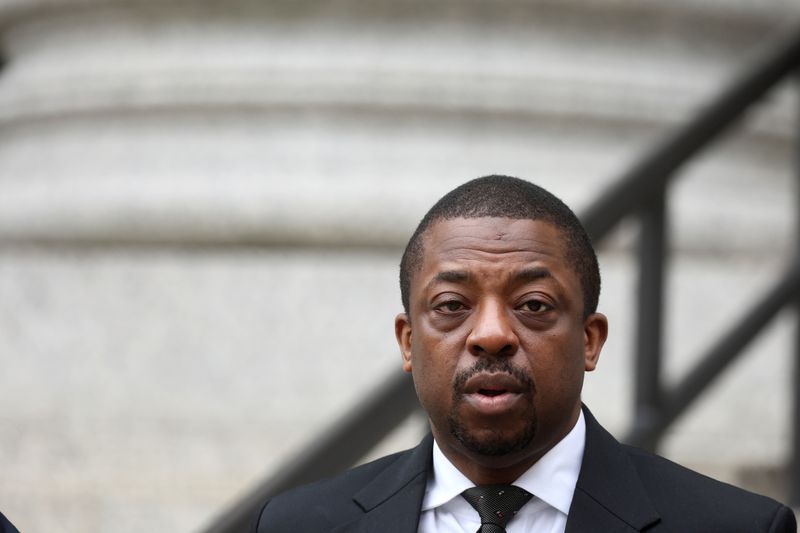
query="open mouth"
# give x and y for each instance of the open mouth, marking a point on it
(492, 401)
(493, 384)
(491, 392)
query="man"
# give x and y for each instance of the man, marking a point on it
(500, 287)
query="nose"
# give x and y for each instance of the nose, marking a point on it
(492, 334)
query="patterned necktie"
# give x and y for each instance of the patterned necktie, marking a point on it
(496, 505)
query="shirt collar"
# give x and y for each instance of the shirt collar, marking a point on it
(551, 479)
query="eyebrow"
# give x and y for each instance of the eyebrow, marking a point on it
(451, 276)
(531, 274)
(525, 275)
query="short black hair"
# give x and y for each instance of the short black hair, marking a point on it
(508, 197)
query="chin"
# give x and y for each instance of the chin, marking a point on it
(491, 442)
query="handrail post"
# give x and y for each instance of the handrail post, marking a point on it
(651, 253)
(794, 471)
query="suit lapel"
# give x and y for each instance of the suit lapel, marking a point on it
(392, 501)
(609, 495)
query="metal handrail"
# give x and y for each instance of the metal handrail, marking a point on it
(334, 450)
(639, 192)
(649, 176)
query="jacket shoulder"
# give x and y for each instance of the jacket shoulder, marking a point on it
(689, 501)
(6, 526)
(322, 505)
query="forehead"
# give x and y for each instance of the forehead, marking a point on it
(495, 254)
(498, 240)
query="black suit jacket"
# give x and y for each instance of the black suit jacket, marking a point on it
(6, 526)
(620, 489)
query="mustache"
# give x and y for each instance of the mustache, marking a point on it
(492, 366)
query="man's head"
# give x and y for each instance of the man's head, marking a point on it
(507, 197)
(500, 286)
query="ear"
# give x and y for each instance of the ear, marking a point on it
(595, 332)
(402, 331)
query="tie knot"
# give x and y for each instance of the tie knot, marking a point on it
(496, 504)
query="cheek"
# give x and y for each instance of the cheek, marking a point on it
(434, 361)
(558, 361)
(434, 346)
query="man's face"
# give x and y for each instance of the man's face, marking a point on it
(496, 341)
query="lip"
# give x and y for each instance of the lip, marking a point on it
(500, 382)
(492, 405)
(492, 393)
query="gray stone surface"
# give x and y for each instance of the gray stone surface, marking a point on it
(158, 386)
(195, 123)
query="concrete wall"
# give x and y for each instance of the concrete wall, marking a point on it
(202, 206)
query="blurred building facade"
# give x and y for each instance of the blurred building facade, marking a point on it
(202, 206)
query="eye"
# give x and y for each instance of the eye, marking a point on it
(536, 306)
(450, 306)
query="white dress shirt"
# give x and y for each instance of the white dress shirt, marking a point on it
(551, 480)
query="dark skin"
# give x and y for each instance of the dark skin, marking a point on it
(497, 343)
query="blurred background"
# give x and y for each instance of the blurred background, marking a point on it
(203, 205)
